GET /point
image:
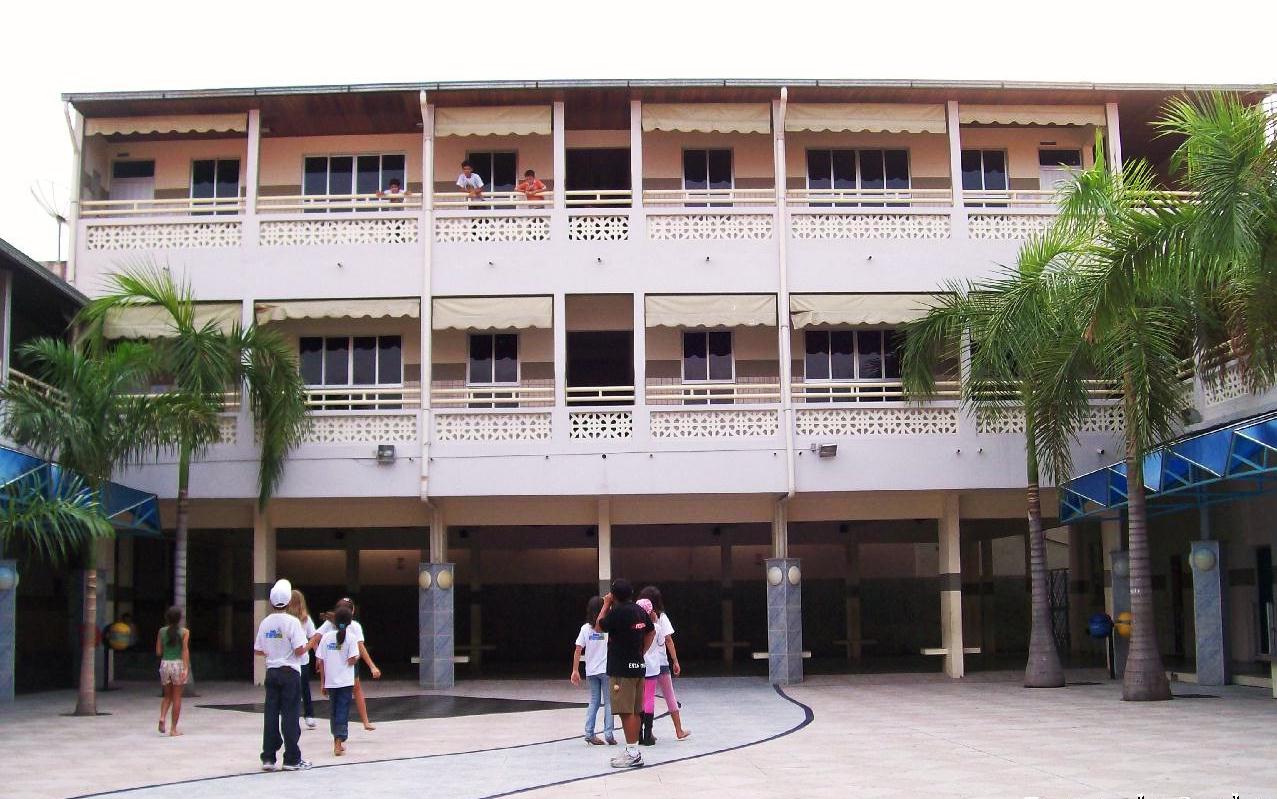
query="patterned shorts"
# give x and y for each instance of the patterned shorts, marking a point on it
(171, 672)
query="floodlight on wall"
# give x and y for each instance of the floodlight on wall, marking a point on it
(385, 453)
(825, 450)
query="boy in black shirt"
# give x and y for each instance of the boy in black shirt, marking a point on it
(630, 633)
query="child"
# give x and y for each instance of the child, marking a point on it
(592, 644)
(281, 641)
(173, 647)
(338, 653)
(298, 608)
(668, 659)
(651, 669)
(470, 182)
(531, 186)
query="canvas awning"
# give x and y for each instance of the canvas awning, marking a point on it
(172, 123)
(866, 117)
(710, 310)
(130, 510)
(857, 309)
(153, 321)
(338, 309)
(708, 117)
(1032, 115)
(492, 313)
(496, 120)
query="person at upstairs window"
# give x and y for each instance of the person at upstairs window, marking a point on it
(393, 192)
(591, 645)
(630, 633)
(470, 182)
(532, 187)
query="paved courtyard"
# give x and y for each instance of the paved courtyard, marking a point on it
(865, 736)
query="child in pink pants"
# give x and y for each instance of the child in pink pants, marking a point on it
(662, 665)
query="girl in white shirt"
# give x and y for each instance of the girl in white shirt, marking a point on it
(337, 654)
(592, 645)
(357, 630)
(666, 661)
(297, 607)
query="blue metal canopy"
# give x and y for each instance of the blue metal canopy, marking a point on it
(1181, 474)
(131, 512)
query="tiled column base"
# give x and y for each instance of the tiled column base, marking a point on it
(435, 609)
(8, 622)
(784, 621)
(1209, 624)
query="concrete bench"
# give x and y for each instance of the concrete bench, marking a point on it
(416, 660)
(763, 655)
(940, 650)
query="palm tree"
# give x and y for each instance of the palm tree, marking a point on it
(202, 362)
(50, 523)
(89, 417)
(1008, 318)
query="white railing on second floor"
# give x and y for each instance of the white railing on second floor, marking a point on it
(337, 203)
(502, 200)
(593, 198)
(1038, 199)
(869, 198)
(490, 396)
(600, 395)
(865, 391)
(362, 398)
(54, 395)
(710, 198)
(178, 206)
(725, 393)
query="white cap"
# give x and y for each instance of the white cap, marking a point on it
(281, 593)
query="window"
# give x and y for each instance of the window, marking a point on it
(857, 169)
(1056, 166)
(351, 174)
(706, 169)
(497, 170)
(984, 170)
(707, 358)
(215, 179)
(843, 356)
(352, 361)
(494, 361)
(132, 180)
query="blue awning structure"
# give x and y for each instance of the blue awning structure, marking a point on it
(131, 512)
(1204, 468)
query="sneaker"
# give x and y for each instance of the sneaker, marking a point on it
(268, 765)
(610, 741)
(594, 740)
(624, 760)
(310, 723)
(300, 765)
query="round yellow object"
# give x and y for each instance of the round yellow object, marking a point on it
(119, 636)
(1123, 624)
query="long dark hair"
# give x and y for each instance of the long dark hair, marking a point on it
(341, 619)
(653, 595)
(173, 632)
(592, 609)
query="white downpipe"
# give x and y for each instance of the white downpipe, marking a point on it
(780, 543)
(427, 307)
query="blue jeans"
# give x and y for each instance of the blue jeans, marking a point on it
(280, 720)
(600, 696)
(308, 707)
(339, 717)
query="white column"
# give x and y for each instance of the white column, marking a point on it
(1113, 136)
(77, 186)
(780, 530)
(951, 587)
(559, 219)
(263, 578)
(560, 331)
(605, 545)
(640, 348)
(426, 421)
(252, 167)
(6, 323)
(438, 535)
(959, 218)
(638, 222)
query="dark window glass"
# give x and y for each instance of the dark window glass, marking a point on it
(505, 358)
(819, 171)
(341, 174)
(1068, 158)
(841, 355)
(368, 174)
(392, 168)
(133, 169)
(203, 179)
(871, 170)
(869, 352)
(503, 169)
(720, 169)
(364, 366)
(972, 171)
(893, 345)
(995, 170)
(390, 360)
(315, 177)
(844, 168)
(311, 358)
(481, 359)
(228, 177)
(695, 360)
(816, 363)
(695, 169)
(337, 361)
(896, 164)
(720, 355)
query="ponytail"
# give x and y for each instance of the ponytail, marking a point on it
(173, 632)
(341, 620)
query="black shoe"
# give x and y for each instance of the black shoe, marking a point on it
(645, 730)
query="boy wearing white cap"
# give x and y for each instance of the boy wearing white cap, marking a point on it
(281, 640)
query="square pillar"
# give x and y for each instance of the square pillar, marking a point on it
(1078, 588)
(226, 596)
(950, 572)
(605, 546)
(352, 565)
(435, 609)
(1210, 619)
(784, 621)
(558, 136)
(251, 176)
(638, 231)
(8, 627)
(476, 605)
(958, 214)
(851, 598)
(727, 607)
(263, 579)
(988, 601)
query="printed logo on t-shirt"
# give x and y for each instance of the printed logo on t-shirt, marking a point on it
(596, 636)
(274, 634)
(634, 665)
(334, 646)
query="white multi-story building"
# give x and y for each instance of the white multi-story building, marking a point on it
(677, 362)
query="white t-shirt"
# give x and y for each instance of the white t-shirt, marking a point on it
(594, 644)
(355, 630)
(339, 671)
(308, 629)
(471, 181)
(278, 637)
(663, 630)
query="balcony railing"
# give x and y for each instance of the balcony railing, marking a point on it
(362, 398)
(337, 203)
(598, 198)
(869, 198)
(491, 396)
(179, 206)
(445, 200)
(712, 393)
(865, 391)
(1040, 199)
(600, 395)
(710, 198)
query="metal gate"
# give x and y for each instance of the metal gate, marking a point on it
(1057, 589)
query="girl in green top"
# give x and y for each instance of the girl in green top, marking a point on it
(172, 645)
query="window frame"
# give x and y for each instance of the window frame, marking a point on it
(488, 185)
(683, 358)
(518, 359)
(354, 174)
(859, 171)
(350, 360)
(888, 333)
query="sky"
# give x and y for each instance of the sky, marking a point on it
(56, 47)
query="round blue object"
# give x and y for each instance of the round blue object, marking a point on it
(1100, 625)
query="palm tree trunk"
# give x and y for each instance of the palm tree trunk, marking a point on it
(1145, 677)
(182, 532)
(1043, 669)
(86, 701)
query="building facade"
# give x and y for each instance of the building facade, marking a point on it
(677, 361)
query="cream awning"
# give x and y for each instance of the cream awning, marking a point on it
(492, 313)
(708, 117)
(338, 309)
(711, 310)
(1032, 114)
(187, 123)
(866, 117)
(152, 321)
(808, 310)
(496, 120)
